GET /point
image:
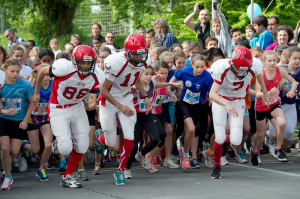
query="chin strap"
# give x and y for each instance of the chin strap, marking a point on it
(240, 77)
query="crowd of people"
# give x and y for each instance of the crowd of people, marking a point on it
(221, 97)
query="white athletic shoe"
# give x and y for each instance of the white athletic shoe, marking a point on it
(16, 162)
(69, 181)
(258, 158)
(127, 174)
(169, 163)
(175, 158)
(271, 146)
(23, 165)
(209, 160)
(224, 161)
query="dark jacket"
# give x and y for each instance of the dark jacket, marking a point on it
(202, 35)
(90, 43)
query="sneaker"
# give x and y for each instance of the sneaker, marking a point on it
(271, 146)
(127, 174)
(288, 151)
(240, 158)
(216, 173)
(156, 161)
(264, 151)
(184, 161)
(223, 161)
(89, 157)
(50, 164)
(248, 144)
(209, 160)
(62, 166)
(6, 184)
(194, 163)
(153, 169)
(162, 154)
(258, 159)
(36, 159)
(69, 181)
(112, 156)
(23, 165)
(16, 161)
(99, 148)
(281, 155)
(243, 151)
(120, 180)
(254, 159)
(175, 158)
(81, 175)
(26, 154)
(169, 163)
(231, 155)
(205, 145)
(42, 175)
(97, 170)
(143, 161)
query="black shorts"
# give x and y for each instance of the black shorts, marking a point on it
(91, 116)
(32, 127)
(252, 118)
(188, 110)
(266, 115)
(11, 129)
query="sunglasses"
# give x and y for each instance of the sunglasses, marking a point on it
(6, 35)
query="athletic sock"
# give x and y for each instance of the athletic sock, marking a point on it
(8, 176)
(276, 149)
(73, 162)
(227, 138)
(253, 152)
(185, 154)
(101, 139)
(125, 153)
(218, 148)
(210, 152)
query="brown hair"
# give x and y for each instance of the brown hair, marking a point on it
(261, 20)
(211, 38)
(290, 51)
(289, 30)
(179, 54)
(34, 73)
(11, 62)
(233, 30)
(194, 45)
(62, 55)
(77, 37)
(104, 49)
(4, 54)
(165, 54)
(197, 57)
(160, 64)
(36, 61)
(160, 50)
(13, 49)
(256, 48)
(99, 26)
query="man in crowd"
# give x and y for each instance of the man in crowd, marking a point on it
(96, 31)
(202, 29)
(110, 38)
(273, 23)
(163, 33)
(12, 39)
(142, 31)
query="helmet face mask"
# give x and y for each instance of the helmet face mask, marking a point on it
(139, 57)
(85, 67)
(241, 62)
(241, 72)
(84, 59)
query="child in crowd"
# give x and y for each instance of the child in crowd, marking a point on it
(235, 34)
(185, 46)
(175, 47)
(194, 48)
(251, 35)
(103, 53)
(265, 38)
(97, 42)
(281, 53)
(34, 52)
(18, 52)
(3, 55)
(211, 42)
(150, 37)
(75, 40)
(54, 44)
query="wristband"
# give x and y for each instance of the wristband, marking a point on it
(146, 97)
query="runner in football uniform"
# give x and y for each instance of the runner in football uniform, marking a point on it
(232, 77)
(122, 71)
(68, 119)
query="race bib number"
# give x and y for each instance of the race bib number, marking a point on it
(272, 99)
(142, 106)
(86, 98)
(191, 98)
(11, 103)
(41, 109)
(159, 100)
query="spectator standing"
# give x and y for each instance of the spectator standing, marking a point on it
(150, 37)
(273, 23)
(283, 35)
(110, 38)
(202, 29)
(163, 33)
(12, 39)
(260, 25)
(142, 31)
(96, 31)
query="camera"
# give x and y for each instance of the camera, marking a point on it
(215, 6)
(201, 6)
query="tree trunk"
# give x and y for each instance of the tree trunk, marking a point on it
(64, 17)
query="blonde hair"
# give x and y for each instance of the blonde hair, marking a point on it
(36, 61)
(256, 48)
(54, 40)
(165, 54)
(269, 52)
(77, 37)
(106, 43)
(11, 62)
(34, 73)
(216, 20)
(34, 52)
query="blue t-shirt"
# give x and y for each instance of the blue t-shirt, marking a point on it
(265, 39)
(187, 63)
(254, 41)
(16, 96)
(195, 84)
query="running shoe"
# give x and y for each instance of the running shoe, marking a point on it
(69, 181)
(184, 161)
(127, 174)
(99, 148)
(258, 158)
(194, 163)
(243, 151)
(81, 175)
(181, 139)
(16, 161)
(152, 169)
(89, 157)
(42, 175)
(231, 155)
(23, 165)
(248, 144)
(50, 164)
(26, 154)
(223, 161)
(112, 156)
(209, 160)
(254, 159)
(120, 180)
(240, 158)
(288, 151)
(62, 166)
(6, 184)
(281, 155)
(271, 146)
(143, 161)
(216, 173)
(97, 170)
(156, 161)
(162, 154)
(205, 145)
(175, 158)
(36, 159)
(169, 163)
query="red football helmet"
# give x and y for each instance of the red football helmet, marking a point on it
(84, 53)
(241, 61)
(135, 44)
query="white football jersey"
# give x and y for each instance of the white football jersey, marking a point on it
(2, 78)
(124, 75)
(69, 87)
(231, 86)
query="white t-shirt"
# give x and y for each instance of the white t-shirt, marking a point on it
(58, 51)
(25, 72)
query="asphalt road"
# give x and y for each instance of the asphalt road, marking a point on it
(272, 179)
